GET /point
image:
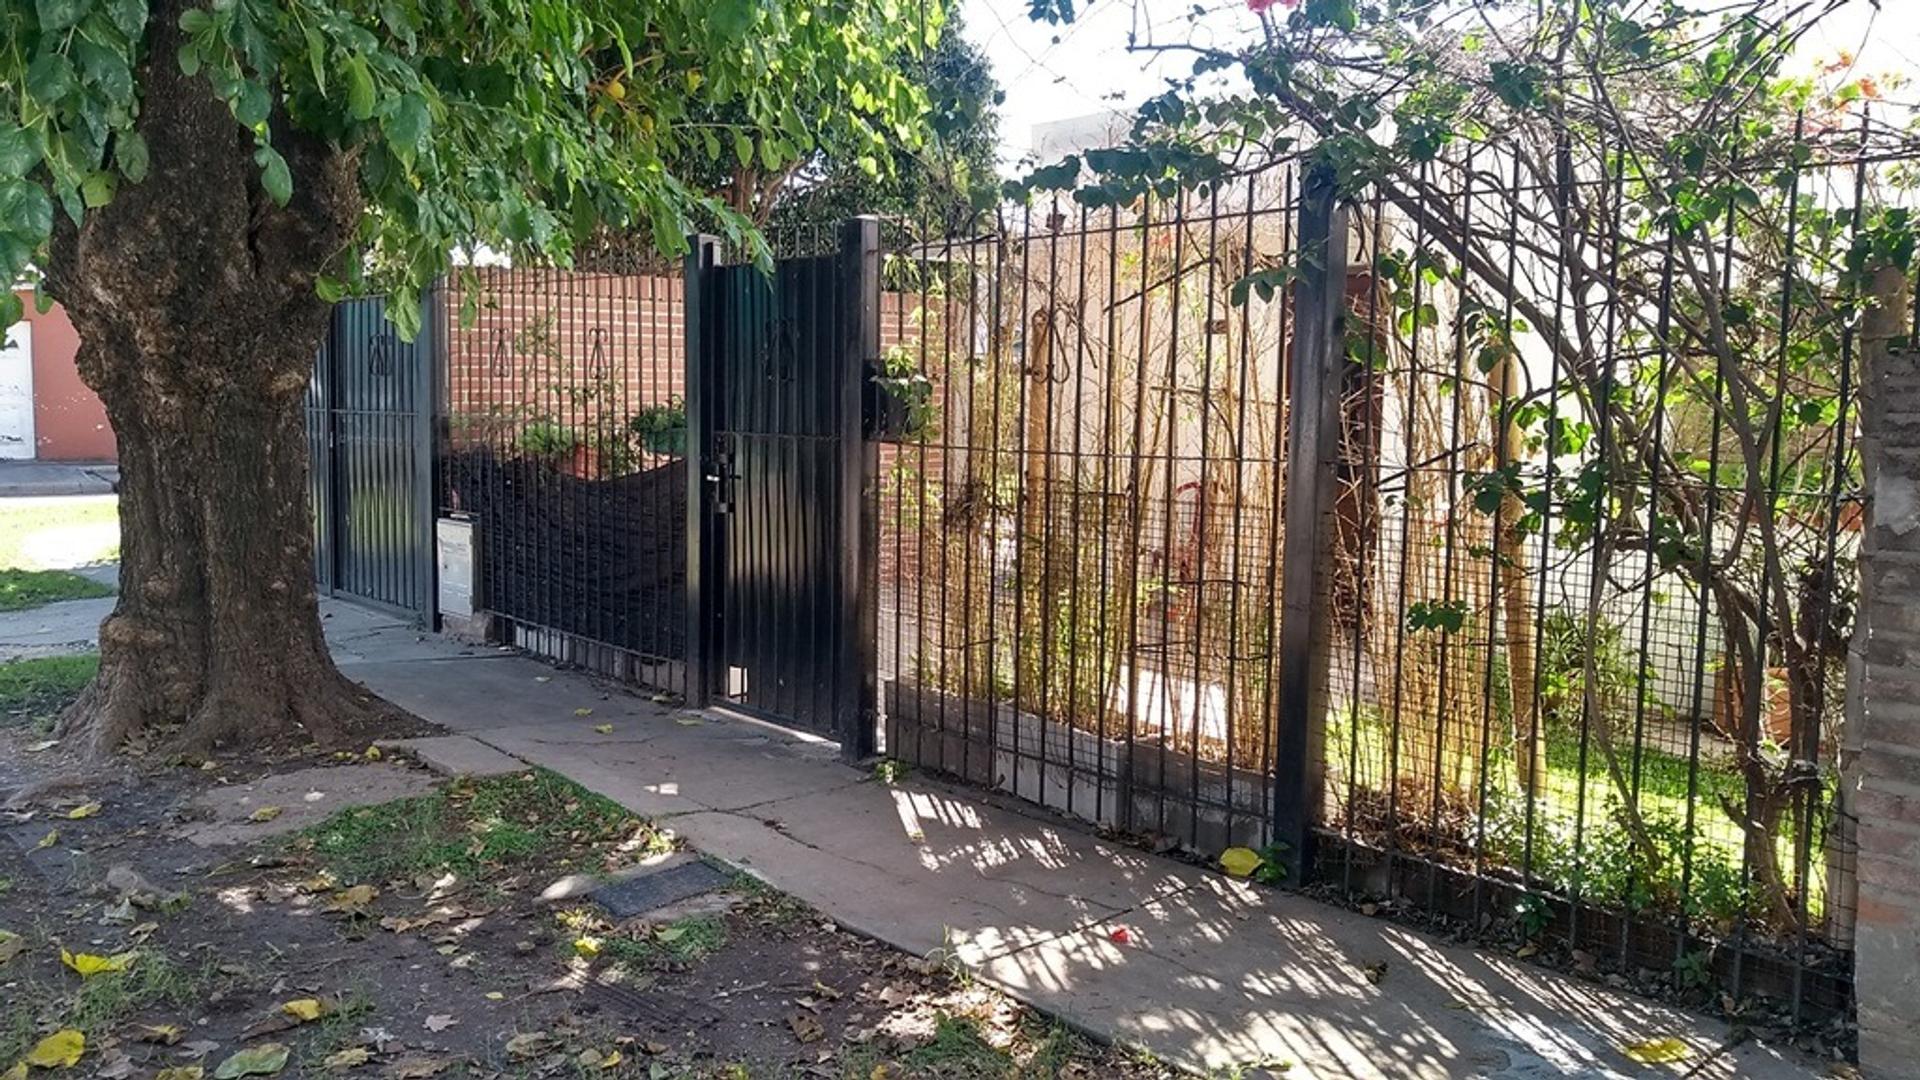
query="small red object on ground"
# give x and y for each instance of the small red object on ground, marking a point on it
(1120, 936)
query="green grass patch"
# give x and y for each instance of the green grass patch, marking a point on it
(24, 589)
(475, 828)
(681, 941)
(43, 534)
(32, 692)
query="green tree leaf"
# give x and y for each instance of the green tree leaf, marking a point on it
(57, 15)
(275, 178)
(130, 154)
(359, 88)
(50, 79)
(406, 124)
(19, 151)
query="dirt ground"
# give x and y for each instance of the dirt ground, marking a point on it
(435, 936)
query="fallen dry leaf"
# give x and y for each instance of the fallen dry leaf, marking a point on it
(1240, 861)
(117, 1066)
(527, 1044)
(304, 1009)
(267, 1059)
(439, 1022)
(806, 1027)
(353, 899)
(60, 1050)
(47, 841)
(604, 729)
(11, 945)
(89, 965)
(43, 746)
(181, 1072)
(351, 1057)
(588, 947)
(265, 813)
(583, 712)
(1657, 1051)
(199, 1048)
(163, 1034)
(84, 810)
(418, 1068)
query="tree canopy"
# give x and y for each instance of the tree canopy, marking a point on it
(520, 125)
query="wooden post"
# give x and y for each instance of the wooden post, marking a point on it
(703, 598)
(1313, 449)
(859, 491)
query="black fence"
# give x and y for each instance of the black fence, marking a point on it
(564, 444)
(370, 409)
(1479, 546)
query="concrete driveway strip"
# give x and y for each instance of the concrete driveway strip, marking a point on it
(1210, 973)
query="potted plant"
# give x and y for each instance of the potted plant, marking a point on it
(661, 429)
(899, 398)
(559, 446)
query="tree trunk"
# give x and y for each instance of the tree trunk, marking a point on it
(194, 297)
(1516, 614)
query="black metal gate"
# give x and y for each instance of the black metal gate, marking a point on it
(781, 604)
(370, 438)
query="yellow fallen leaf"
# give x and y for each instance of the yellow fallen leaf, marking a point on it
(353, 899)
(181, 1072)
(18, 1072)
(612, 1060)
(47, 841)
(163, 1034)
(604, 729)
(1239, 861)
(60, 1050)
(1657, 1051)
(587, 946)
(372, 754)
(348, 1058)
(495, 995)
(265, 813)
(583, 712)
(304, 1009)
(84, 810)
(89, 964)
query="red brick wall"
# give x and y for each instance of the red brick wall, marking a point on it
(69, 422)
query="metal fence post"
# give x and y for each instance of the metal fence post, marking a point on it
(1313, 448)
(702, 594)
(859, 490)
(429, 352)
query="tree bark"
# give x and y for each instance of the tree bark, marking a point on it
(194, 297)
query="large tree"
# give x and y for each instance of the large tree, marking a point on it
(195, 182)
(939, 180)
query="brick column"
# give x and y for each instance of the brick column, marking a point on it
(1882, 766)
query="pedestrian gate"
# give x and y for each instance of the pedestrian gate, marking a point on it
(781, 608)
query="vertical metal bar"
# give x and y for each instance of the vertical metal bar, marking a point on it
(1313, 445)
(859, 524)
(427, 355)
(704, 589)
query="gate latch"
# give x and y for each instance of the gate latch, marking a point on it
(720, 478)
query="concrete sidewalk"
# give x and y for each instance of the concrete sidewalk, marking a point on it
(1215, 974)
(19, 478)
